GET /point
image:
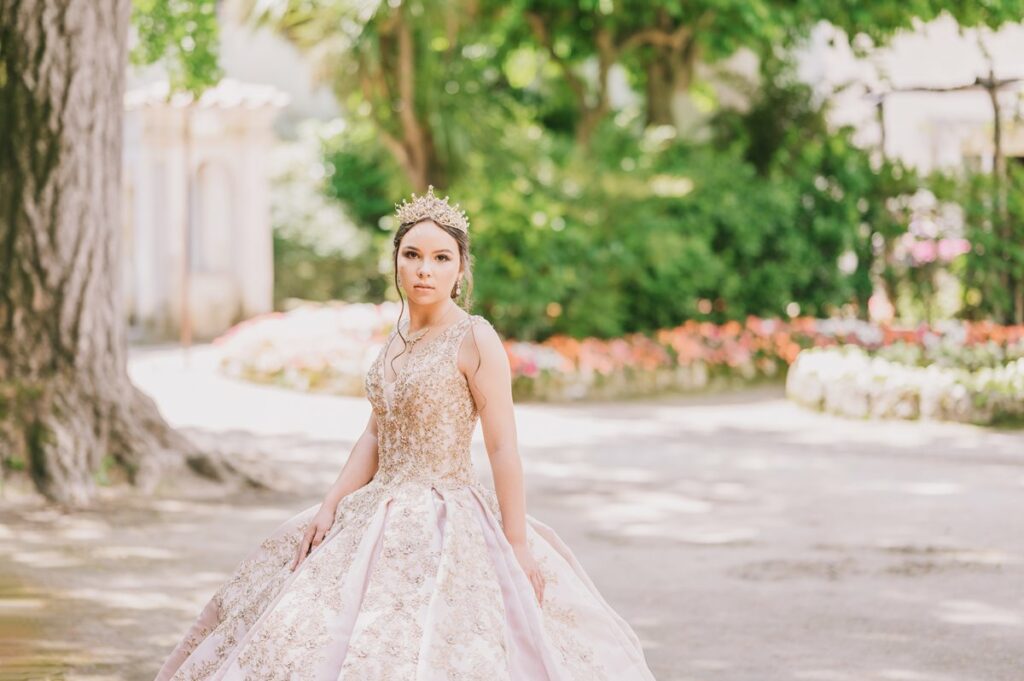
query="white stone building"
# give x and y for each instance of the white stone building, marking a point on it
(196, 224)
(928, 130)
(207, 239)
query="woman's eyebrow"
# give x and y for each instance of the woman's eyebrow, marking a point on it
(442, 250)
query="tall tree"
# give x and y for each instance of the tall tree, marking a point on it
(384, 60)
(67, 406)
(661, 42)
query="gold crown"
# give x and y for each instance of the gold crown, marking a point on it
(430, 207)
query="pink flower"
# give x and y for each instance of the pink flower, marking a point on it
(951, 248)
(923, 252)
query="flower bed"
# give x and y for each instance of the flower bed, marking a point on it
(851, 382)
(321, 348)
(330, 348)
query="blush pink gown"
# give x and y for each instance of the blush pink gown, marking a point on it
(415, 580)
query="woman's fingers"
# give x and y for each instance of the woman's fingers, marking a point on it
(538, 585)
(303, 547)
(303, 550)
(313, 537)
(299, 551)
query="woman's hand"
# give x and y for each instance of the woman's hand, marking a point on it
(315, 533)
(530, 567)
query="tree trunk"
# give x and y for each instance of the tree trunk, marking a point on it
(68, 411)
(659, 91)
(669, 79)
(388, 83)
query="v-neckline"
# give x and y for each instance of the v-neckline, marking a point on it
(401, 370)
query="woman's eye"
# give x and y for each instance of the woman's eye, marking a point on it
(413, 254)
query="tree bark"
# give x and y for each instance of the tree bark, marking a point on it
(390, 88)
(68, 412)
(670, 64)
(659, 91)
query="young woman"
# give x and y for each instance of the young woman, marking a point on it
(411, 569)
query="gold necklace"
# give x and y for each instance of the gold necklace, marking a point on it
(422, 332)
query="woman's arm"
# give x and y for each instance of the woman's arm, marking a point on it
(491, 386)
(360, 467)
(357, 471)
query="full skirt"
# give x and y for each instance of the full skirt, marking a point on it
(413, 582)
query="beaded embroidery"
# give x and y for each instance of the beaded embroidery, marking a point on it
(418, 544)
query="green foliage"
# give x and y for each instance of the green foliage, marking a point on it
(840, 191)
(880, 20)
(183, 35)
(362, 175)
(323, 249)
(303, 271)
(654, 230)
(634, 230)
(645, 230)
(993, 276)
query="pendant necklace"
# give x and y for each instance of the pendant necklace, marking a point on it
(411, 341)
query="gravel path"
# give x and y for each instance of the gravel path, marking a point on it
(743, 537)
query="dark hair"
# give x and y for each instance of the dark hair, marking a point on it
(463, 299)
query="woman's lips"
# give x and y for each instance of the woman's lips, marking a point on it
(423, 286)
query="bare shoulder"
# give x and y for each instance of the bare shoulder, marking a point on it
(480, 321)
(483, 331)
(481, 342)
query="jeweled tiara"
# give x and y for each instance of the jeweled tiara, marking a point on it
(430, 206)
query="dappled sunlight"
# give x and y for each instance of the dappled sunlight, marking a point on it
(109, 596)
(957, 553)
(730, 491)
(978, 612)
(809, 431)
(583, 470)
(173, 506)
(710, 536)
(20, 603)
(561, 427)
(731, 507)
(710, 664)
(911, 675)
(45, 559)
(271, 515)
(882, 637)
(648, 508)
(921, 488)
(825, 675)
(34, 537)
(769, 462)
(729, 495)
(656, 516)
(125, 552)
(85, 530)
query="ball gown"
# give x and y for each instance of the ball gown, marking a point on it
(415, 580)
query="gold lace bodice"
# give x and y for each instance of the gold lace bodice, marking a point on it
(415, 578)
(427, 414)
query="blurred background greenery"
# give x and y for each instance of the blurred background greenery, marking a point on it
(596, 218)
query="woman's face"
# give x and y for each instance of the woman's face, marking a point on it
(428, 263)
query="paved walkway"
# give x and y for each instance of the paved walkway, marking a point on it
(744, 538)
